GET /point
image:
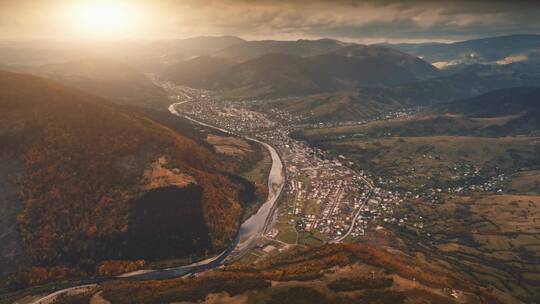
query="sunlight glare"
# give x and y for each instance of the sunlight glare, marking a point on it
(103, 19)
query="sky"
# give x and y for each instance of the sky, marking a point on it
(349, 20)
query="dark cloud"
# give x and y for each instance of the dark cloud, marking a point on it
(373, 20)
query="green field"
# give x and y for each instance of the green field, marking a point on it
(258, 174)
(493, 238)
(439, 160)
(526, 182)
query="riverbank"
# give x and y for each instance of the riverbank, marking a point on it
(247, 235)
(255, 225)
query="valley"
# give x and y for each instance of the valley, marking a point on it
(424, 197)
(128, 230)
(431, 192)
(217, 169)
(460, 193)
(324, 196)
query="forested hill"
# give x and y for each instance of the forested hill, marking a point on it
(86, 181)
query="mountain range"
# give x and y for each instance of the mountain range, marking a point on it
(243, 69)
(281, 74)
(302, 48)
(498, 50)
(102, 77)
(313, 67)
(504, 112)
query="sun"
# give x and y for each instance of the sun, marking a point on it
(103, 19)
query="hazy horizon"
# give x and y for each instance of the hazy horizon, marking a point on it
(351, 21)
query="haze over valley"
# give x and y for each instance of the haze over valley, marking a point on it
(269, 152)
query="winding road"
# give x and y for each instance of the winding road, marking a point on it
(356, 215)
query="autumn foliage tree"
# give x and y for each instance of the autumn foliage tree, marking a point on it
(84, 161)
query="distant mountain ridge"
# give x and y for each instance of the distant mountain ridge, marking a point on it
(349, 67)
(106, 78)
(302, 48)
(517, 108)
(438, 93)
(504, 112)
(504, 102)
(491, 49)
(196, 71)
(241, 69)
(469, 82)
(376, 78)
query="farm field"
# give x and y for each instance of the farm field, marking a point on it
(441, 161)
(494, 239)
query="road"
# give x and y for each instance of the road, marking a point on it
(51, 298)
(355, 218)
(336, 201)
(357, 214)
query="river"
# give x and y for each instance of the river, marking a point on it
(248, 233)
(255, 225)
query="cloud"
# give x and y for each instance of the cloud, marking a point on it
(512, 59)
(366, 21)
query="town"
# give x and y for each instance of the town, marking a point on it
(327, 198)
(324, 197)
